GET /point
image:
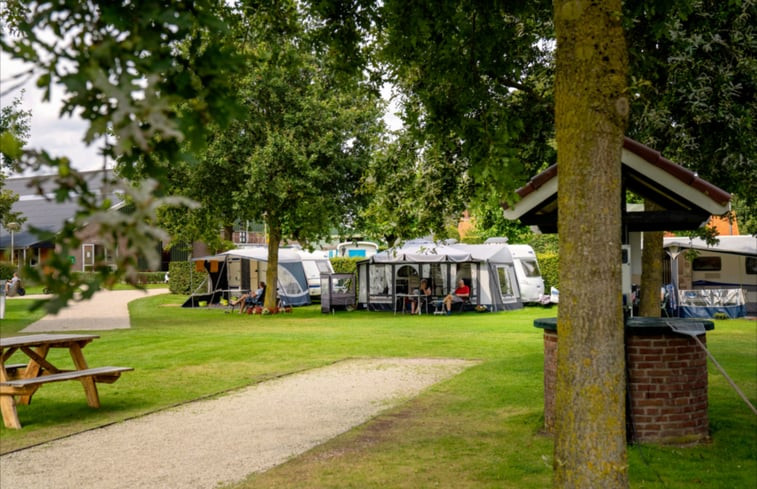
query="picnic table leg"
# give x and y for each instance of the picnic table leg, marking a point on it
(10, 415)
(32, 370)
(90, 388)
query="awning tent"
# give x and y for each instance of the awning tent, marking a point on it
(237, 271)
(714, 272)
(387, 276)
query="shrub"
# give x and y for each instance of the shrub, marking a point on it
(548, 263)
(6, 270)
(345, 264)
(183, 278)
(151, 277)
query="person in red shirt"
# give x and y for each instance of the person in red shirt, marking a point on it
(462, 293)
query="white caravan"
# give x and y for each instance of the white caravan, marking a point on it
(527, 270)
(315, 264)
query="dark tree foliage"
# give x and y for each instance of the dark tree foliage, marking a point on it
(694, 87)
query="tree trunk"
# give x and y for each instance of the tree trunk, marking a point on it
(272, 272)
(591, 110)
(651, 270)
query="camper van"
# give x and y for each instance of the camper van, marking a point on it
(527, 270)
(315, 264)
(355, 249)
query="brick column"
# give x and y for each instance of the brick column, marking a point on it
(667, 383)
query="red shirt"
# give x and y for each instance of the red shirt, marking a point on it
(462, 291)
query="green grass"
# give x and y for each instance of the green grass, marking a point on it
(480, 429)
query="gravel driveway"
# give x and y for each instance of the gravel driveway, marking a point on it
(206, 443)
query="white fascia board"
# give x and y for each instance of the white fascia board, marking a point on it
(532, 200)
(672, 183)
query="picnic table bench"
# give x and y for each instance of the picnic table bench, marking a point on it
(23, 380)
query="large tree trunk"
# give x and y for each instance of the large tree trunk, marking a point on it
(591, 110)
(272, 272)
(651, 270)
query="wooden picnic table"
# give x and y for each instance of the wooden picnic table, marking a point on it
(22, 380)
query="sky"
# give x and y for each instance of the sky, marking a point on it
(59, 136)
(63, 136)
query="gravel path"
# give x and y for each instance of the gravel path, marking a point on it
(206, 443)
(106, 310)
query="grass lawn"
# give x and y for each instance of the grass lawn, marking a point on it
(480, 429)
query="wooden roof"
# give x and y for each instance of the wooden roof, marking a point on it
(688, 200)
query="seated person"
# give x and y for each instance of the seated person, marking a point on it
(12, 285)
(425, 293)
(251, 299)
(461, 294)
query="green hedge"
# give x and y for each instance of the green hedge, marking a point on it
(183, 278)
(151, 277)
(345, 264)
(548, 263)
(6, 270)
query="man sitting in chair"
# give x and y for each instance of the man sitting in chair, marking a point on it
(461, 294)
(252, 299)
(13, 286)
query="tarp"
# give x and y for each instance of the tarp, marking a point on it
(706, 303)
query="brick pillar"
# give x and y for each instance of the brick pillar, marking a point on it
(550, 379)
(667, 382)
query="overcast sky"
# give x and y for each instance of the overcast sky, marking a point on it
(58, 136)
(64, 136)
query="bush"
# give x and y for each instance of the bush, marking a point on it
(6, 270)
(345, 264)
(549, 265)
(183, 278)
(151, 277)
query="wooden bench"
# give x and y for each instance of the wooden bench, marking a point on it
(25, 388)
(13, 369)
(100, 374)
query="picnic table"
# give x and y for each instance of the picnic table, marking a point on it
(22, 380)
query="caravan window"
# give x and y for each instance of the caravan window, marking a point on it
(531, 268)
(751, 265)
(706, 264)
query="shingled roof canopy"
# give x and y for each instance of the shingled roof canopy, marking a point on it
(42, 212)
(688, 201)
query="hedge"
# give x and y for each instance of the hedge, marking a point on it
(183, 278)
(6, 270)
(549, 264)
(343, 264)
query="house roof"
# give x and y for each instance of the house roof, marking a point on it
(42, 212)
(687, 200)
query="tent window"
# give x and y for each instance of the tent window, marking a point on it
(407, 279)
(506, 288)
(379, 284)
(530, 268)
(288, 282)
(706, 264)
